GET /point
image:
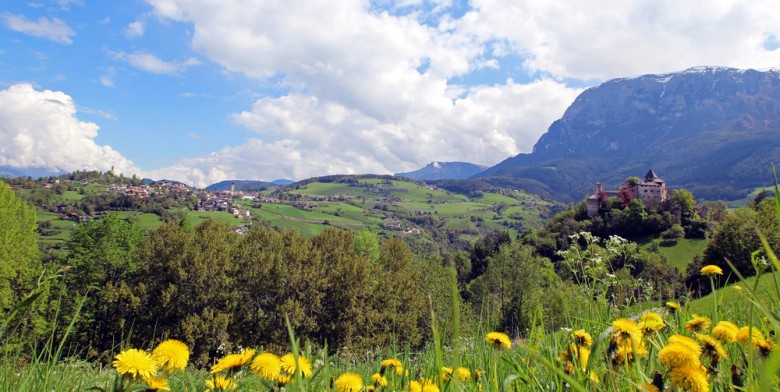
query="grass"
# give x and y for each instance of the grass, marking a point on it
(680, 253)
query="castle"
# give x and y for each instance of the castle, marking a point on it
(651, 190)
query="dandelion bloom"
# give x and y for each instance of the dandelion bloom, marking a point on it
(349, 382)
(582, 338)
(711, 270)
(462, 373)
(393, 363)
(652, 316)
(764, 346)
(673, 306)
(677, 354)
(430, 388)
(268, 366)
(712, 347)
(625, 328)
(498, 340)
(690, 378)
(135, 362)
(650, 326)
(233, 361)
(288, 365)
(415, 386)
(171, 355)
(446, 373)
(694, 345)
(744, 333)
(379, 380)
(698, 324)
(648, 387)
(157, 383)
(726, 331)
(370, 388)
(221, 383)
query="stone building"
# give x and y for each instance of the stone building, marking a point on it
(651, 190)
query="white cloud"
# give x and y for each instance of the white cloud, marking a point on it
(151, 63)
(610, 38)
(371, 91)
(135, 29)
(106, 81)
(51, 29)
(40, 129)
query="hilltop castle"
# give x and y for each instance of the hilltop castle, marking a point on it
(651, 190)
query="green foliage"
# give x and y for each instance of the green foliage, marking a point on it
(102, 254)
(367, 245)
(683, 200)
(20, 263)
(736, 240)
(632, 180)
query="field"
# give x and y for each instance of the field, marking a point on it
(680, 253)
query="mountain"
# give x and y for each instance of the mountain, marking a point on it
(444, 171)
(712, 130)
(241, 185)
(282, 181)
(8, 171)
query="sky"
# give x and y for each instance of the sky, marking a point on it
(202, 91)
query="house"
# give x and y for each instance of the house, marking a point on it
(651, 190)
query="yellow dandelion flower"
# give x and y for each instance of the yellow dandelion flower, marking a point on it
(594, 377)
(221, 383)
(648, 387)
(684, 340)
(582, 338)
(415, 386)
(349, 382)
(764, 346)
(171, 355)
(652, 316)
(157, 383)
(288, 365)
(393, 363)
(233, 361)
(711, 347)
(370, 388)
(673, 306)
(698, 324)
(284, 378)
(379, 380)
(498, 340)
(430, 388)
(726, 331)
(478, 374)
(135, 362)
(650, 326)
(446, 373)
(268, 366)
(678, 354)
(462, 373)
(743, 335)
(711, 270)
(625, 328)
(690, 378)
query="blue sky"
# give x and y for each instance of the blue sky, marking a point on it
(203, 91)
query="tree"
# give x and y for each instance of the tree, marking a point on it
(367, 245)
(632, 180)
(684, 201)
(102, 253)
(20, 262)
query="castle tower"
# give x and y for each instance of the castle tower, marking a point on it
(599, 188)
(232, 188)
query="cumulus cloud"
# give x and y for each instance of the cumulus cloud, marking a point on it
(135, 29)
(151, 63)
(53, 29)
(40, 129)
(604, 39)
(373, 89)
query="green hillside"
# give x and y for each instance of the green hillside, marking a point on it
(389, 207)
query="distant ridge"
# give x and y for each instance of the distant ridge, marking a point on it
(712, 130)
(444, 171)
(244, 185)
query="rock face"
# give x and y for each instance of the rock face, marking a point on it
(444, 171)
(713, 130)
